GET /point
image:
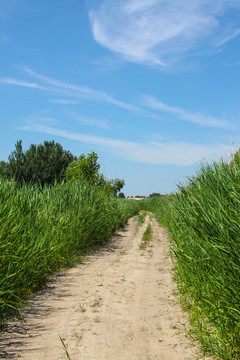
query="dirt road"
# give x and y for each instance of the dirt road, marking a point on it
(117, 305)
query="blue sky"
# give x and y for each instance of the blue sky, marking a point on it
(152, 86)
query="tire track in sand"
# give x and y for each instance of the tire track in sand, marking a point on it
(117, 305)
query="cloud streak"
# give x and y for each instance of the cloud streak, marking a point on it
(65, 102)
(181, 154)
(55, 87)
(157, 32)
(193, 117)
(11, 81)
(80, 91)
(228, 38)
(73, 92)
(85, 120)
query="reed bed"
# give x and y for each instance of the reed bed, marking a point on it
(43, 230)
(203, 219)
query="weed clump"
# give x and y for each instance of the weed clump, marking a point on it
(141, 219)
(146, 237)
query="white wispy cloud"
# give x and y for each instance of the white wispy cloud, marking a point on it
(56, 87)
(185, 115)
(72, 92)
(86, 120)
(80, 91)
(41, 119)
(181, 154)
(229, 37)
(11, 81)
(64, 101)
(157, 32)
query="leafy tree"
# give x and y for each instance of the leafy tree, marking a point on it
(117, 185)
(87, 168)
(121, 195)
(16, 163)
(47, 162)
(42, 164)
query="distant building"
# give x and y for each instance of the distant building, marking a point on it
(135, 198)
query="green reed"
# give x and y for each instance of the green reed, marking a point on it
(203, 219)
(42, 230)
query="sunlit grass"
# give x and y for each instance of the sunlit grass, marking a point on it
(203, 219)
(42, 230)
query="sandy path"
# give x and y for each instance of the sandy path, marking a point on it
(117, 305)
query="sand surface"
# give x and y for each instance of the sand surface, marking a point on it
(117, 305)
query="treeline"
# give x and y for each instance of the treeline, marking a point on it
(203, 219)
(48, 163)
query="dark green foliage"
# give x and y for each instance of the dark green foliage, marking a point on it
(42, 230)
(116, 185)
(121, 195)
(155, 194)
(42, 164)
(3, 169)
(16, 164)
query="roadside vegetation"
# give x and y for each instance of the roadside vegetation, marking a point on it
(46, 225)
(203, 219)
(50, 219)
(42, 230)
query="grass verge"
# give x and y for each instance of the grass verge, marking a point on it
(43, 230)
(203, 220)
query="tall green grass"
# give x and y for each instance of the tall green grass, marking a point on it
(42, 230)
(203, 219)
(159, 206)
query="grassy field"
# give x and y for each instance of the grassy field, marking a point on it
(43, 230)
(203, 219)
